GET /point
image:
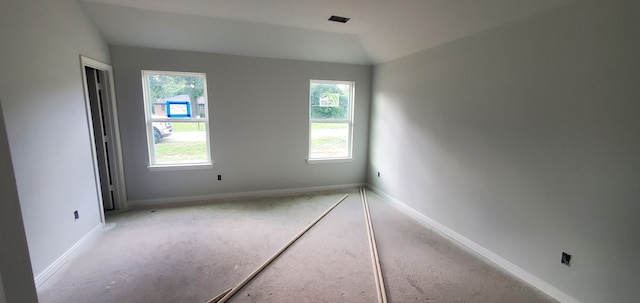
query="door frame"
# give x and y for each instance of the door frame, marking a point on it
(111, 115)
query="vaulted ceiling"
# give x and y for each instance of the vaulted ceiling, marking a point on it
(379, 30)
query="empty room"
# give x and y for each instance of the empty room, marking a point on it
(319, 151)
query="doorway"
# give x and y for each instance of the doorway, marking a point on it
(103, 125)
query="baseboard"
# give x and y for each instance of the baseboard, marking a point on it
(511, 268)
(247, 194)
(57, 264)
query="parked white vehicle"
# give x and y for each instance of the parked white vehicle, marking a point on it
(161, 130)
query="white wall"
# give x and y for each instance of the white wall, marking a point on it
(43, 102)
(16, 277)
(525, 140)
(259, 123)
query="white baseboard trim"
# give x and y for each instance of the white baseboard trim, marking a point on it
(511, 268)
(57, 264)
(248, 194)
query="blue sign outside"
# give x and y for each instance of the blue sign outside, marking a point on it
(178, 109)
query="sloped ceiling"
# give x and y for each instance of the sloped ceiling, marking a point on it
(379, 30)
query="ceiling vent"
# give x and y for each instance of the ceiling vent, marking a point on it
(339, 19)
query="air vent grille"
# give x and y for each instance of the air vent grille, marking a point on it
(339, 19)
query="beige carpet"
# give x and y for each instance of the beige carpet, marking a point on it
(192, 253)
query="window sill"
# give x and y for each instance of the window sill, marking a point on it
(180, 167)
(329, 160)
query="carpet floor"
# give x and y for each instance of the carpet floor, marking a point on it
(192, 253)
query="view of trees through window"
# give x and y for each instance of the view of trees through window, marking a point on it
(336, 101)
(165, 87)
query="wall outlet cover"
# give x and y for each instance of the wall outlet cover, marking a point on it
(566, 259)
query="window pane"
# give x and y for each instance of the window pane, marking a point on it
(176, 96)
(180, 142)
(329, 140)
(329, 101)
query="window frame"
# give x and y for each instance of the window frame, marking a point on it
(149, 120)
(349, 120)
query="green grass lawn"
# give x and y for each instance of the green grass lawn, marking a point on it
(181, 152)
(328, 140)
(187, 126)
(185, 151)
(328, 147)
(329, 125)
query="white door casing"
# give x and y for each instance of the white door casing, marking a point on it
(111, 132)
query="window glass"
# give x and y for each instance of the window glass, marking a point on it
(330, 119)
(186, 145)
(176, 95)
(330, 101)
(177, 118)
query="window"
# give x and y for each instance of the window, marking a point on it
(177, 119)
(330, 119)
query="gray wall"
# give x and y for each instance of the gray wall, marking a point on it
(525, 140)
(16, 277)
(43, 102)
(259, 123)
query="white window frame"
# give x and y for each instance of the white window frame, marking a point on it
(150, 120)
(349, 120)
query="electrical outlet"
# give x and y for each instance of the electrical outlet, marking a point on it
(219, 177)
(378, 174)
(76, 215)
(566, 259)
